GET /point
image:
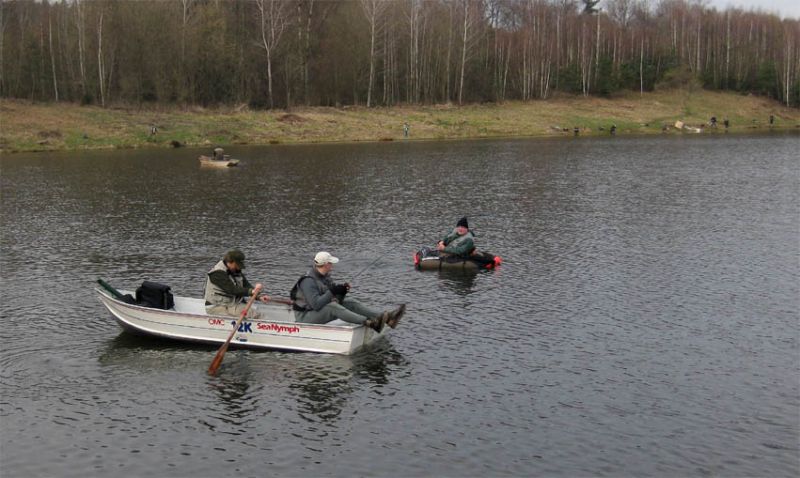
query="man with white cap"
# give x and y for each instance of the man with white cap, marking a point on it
(318, 300)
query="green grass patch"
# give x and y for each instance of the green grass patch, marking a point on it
(36, 127)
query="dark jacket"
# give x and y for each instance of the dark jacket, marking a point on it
(314, 290)
(459, 245)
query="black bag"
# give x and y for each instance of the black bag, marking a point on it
(155, 295)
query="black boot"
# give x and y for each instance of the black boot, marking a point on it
(394, 317)
(377, 323)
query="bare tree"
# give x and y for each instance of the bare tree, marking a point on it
(419, 50)
(467, 35)
(80, 22)
(273, 16)
(52, 53)
(3, 20)
(373, 9)
(100, 67)
(415, 7)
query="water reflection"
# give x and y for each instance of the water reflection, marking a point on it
(234, 390)
(321, 384)
(462, 282)
(137, 352)
(324, 388)
(322, 392)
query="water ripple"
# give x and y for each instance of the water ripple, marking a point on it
(643, 323)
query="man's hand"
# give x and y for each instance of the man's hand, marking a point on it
(264, 298)
(440, 246)
(340, 289)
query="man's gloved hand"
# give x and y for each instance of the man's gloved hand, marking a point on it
(339, 289)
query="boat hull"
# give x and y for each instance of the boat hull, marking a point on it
(217, 163)
(277, 329)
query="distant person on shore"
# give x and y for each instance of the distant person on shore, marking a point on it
(459, 243)
(405, 130)
(726, 123)
(228, 290)
(771, 120)
(713, 121)
(613, 130)
(318, 300)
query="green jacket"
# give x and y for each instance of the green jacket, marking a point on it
(459, 245)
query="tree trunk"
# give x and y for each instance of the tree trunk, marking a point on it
(371, 11)
(413, 56)
(100, 68)
(787, 79)
(463, 53)
(597, 53)
(448, 61)
(641, 68)
(81, 24)
(272, 25)
(52, 55)
(2, 48)
(727, 49)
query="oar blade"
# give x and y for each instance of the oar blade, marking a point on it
(212, 369)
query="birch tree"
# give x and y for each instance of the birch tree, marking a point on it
(373, 10)
(273, 17)
(52, 53)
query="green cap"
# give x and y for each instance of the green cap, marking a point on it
(236, 256)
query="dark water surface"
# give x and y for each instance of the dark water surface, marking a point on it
(645, 322)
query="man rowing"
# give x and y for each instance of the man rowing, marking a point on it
(227, 289)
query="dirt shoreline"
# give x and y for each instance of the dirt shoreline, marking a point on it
(30, 127)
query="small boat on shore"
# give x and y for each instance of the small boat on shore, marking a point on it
(427, 259)
(276, 329)
(217, 163)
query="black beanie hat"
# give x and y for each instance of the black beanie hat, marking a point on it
(463, 222)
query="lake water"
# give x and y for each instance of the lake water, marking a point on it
(644, 322)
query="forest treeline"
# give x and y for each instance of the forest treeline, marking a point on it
(283, 53)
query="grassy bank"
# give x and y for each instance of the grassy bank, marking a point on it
(27, 126)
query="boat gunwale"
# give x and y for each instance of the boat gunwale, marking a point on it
(147, 332)
(150, 310)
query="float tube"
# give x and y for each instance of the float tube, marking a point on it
(424, 260)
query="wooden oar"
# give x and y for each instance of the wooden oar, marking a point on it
(212, 369)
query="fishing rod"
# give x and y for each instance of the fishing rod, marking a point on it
(368, 266)
(382, 253)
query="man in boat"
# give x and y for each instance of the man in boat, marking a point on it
(228, 290)
(219, 154)
(459, 243)
(318, 300)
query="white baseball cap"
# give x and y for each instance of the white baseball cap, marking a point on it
(323, 258)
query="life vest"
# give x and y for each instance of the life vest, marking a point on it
(299, 302)
(215, 295)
